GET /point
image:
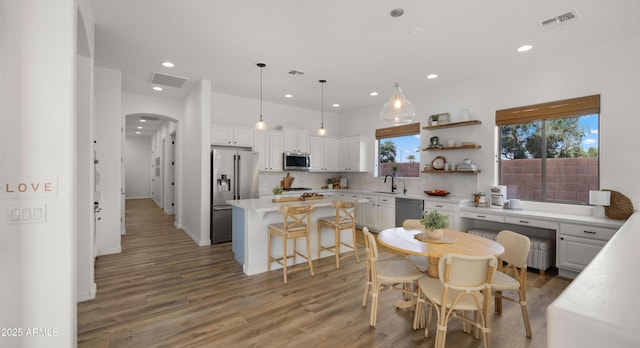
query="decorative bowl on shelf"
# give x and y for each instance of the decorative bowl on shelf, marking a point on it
(437, 192)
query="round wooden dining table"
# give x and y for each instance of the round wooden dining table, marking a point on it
(453, 242)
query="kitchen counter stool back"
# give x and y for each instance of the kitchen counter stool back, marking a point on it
(297, 220)
(345, 218)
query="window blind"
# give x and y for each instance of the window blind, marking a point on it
(545, 111)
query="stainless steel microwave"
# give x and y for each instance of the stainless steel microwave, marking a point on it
(296, 161)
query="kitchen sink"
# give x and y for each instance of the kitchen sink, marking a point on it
(389, 192)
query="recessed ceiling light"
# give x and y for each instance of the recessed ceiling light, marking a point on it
(157, 88)
(373, 94)
(167, 64)
(288, 95)
(139, 127)
(336, 105)
(432, 76)
(138, 133)
(524, 48)
(143, 120)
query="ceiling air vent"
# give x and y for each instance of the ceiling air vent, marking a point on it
(561, 19)
(295, 73)
(167, 80)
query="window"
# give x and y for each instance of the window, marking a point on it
(398, 151)
(550, 152)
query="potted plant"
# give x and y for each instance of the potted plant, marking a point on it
(394, 168)
(277, 190)
(434, 222)
(330, 183)
(434, 120)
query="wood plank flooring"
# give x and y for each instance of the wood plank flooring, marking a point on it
(165, 291)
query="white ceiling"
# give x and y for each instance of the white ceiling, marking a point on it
(354, 44)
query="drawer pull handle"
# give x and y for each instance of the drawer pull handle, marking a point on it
(438, 206)
(589, 232)
(481, 216)
(524, 221)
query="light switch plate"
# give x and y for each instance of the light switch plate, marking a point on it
(26, 214)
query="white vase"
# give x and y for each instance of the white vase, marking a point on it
(435, 234)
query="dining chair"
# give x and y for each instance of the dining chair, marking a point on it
(384, 275)
(345, 218)
(297, 220)
(420, 262)
(512, 273)
(464, 285)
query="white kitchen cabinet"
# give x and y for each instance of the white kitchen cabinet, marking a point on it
(324, 154)
(386, 213)
(353, 153)
(378, 213)
(231, 136)
(270, 146)
(578, 244)
(296, 140)
(450, 210)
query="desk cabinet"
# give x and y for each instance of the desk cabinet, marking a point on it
(577, 245)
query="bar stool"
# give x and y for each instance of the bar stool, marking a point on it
(345, 218)
(297, 220)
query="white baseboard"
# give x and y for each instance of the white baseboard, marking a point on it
(86, 296)
(195, 238)
(141, 197)
(109, 251)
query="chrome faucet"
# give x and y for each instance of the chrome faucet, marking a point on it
(393, 184)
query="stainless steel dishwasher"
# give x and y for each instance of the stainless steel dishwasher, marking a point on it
(408, 208)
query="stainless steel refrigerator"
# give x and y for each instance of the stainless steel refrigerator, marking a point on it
(234, 175)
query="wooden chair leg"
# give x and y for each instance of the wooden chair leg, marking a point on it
(309, 255)
(269, 252)
(284, 258)
(355, 245)
(498, 302)
(374, 305)
(365, 297)
(525, 312)
(319, 240)
(336, 233)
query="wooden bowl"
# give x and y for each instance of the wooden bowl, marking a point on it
(436, 193)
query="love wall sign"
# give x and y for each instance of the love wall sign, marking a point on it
(12, 188)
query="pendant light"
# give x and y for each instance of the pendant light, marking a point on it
(261, 125)
(322, 131)
(398, 110)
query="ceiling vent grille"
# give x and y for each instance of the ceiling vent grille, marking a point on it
(295, 73)
(167, 80)
(561, 19)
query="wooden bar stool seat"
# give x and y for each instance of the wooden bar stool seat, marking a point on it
(296, 224)
(345, 218)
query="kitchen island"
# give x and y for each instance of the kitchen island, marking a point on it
(250, 220)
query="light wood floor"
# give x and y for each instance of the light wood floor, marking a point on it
(165, 291)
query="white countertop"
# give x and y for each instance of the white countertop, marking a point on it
(601, 307)
(558, 217)
(445, 199)
(266, 204)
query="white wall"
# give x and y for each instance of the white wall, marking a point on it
(137, 154)
(108, 133)
(37, 138)
(196, 171)
(85, 180)
(610, 71)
